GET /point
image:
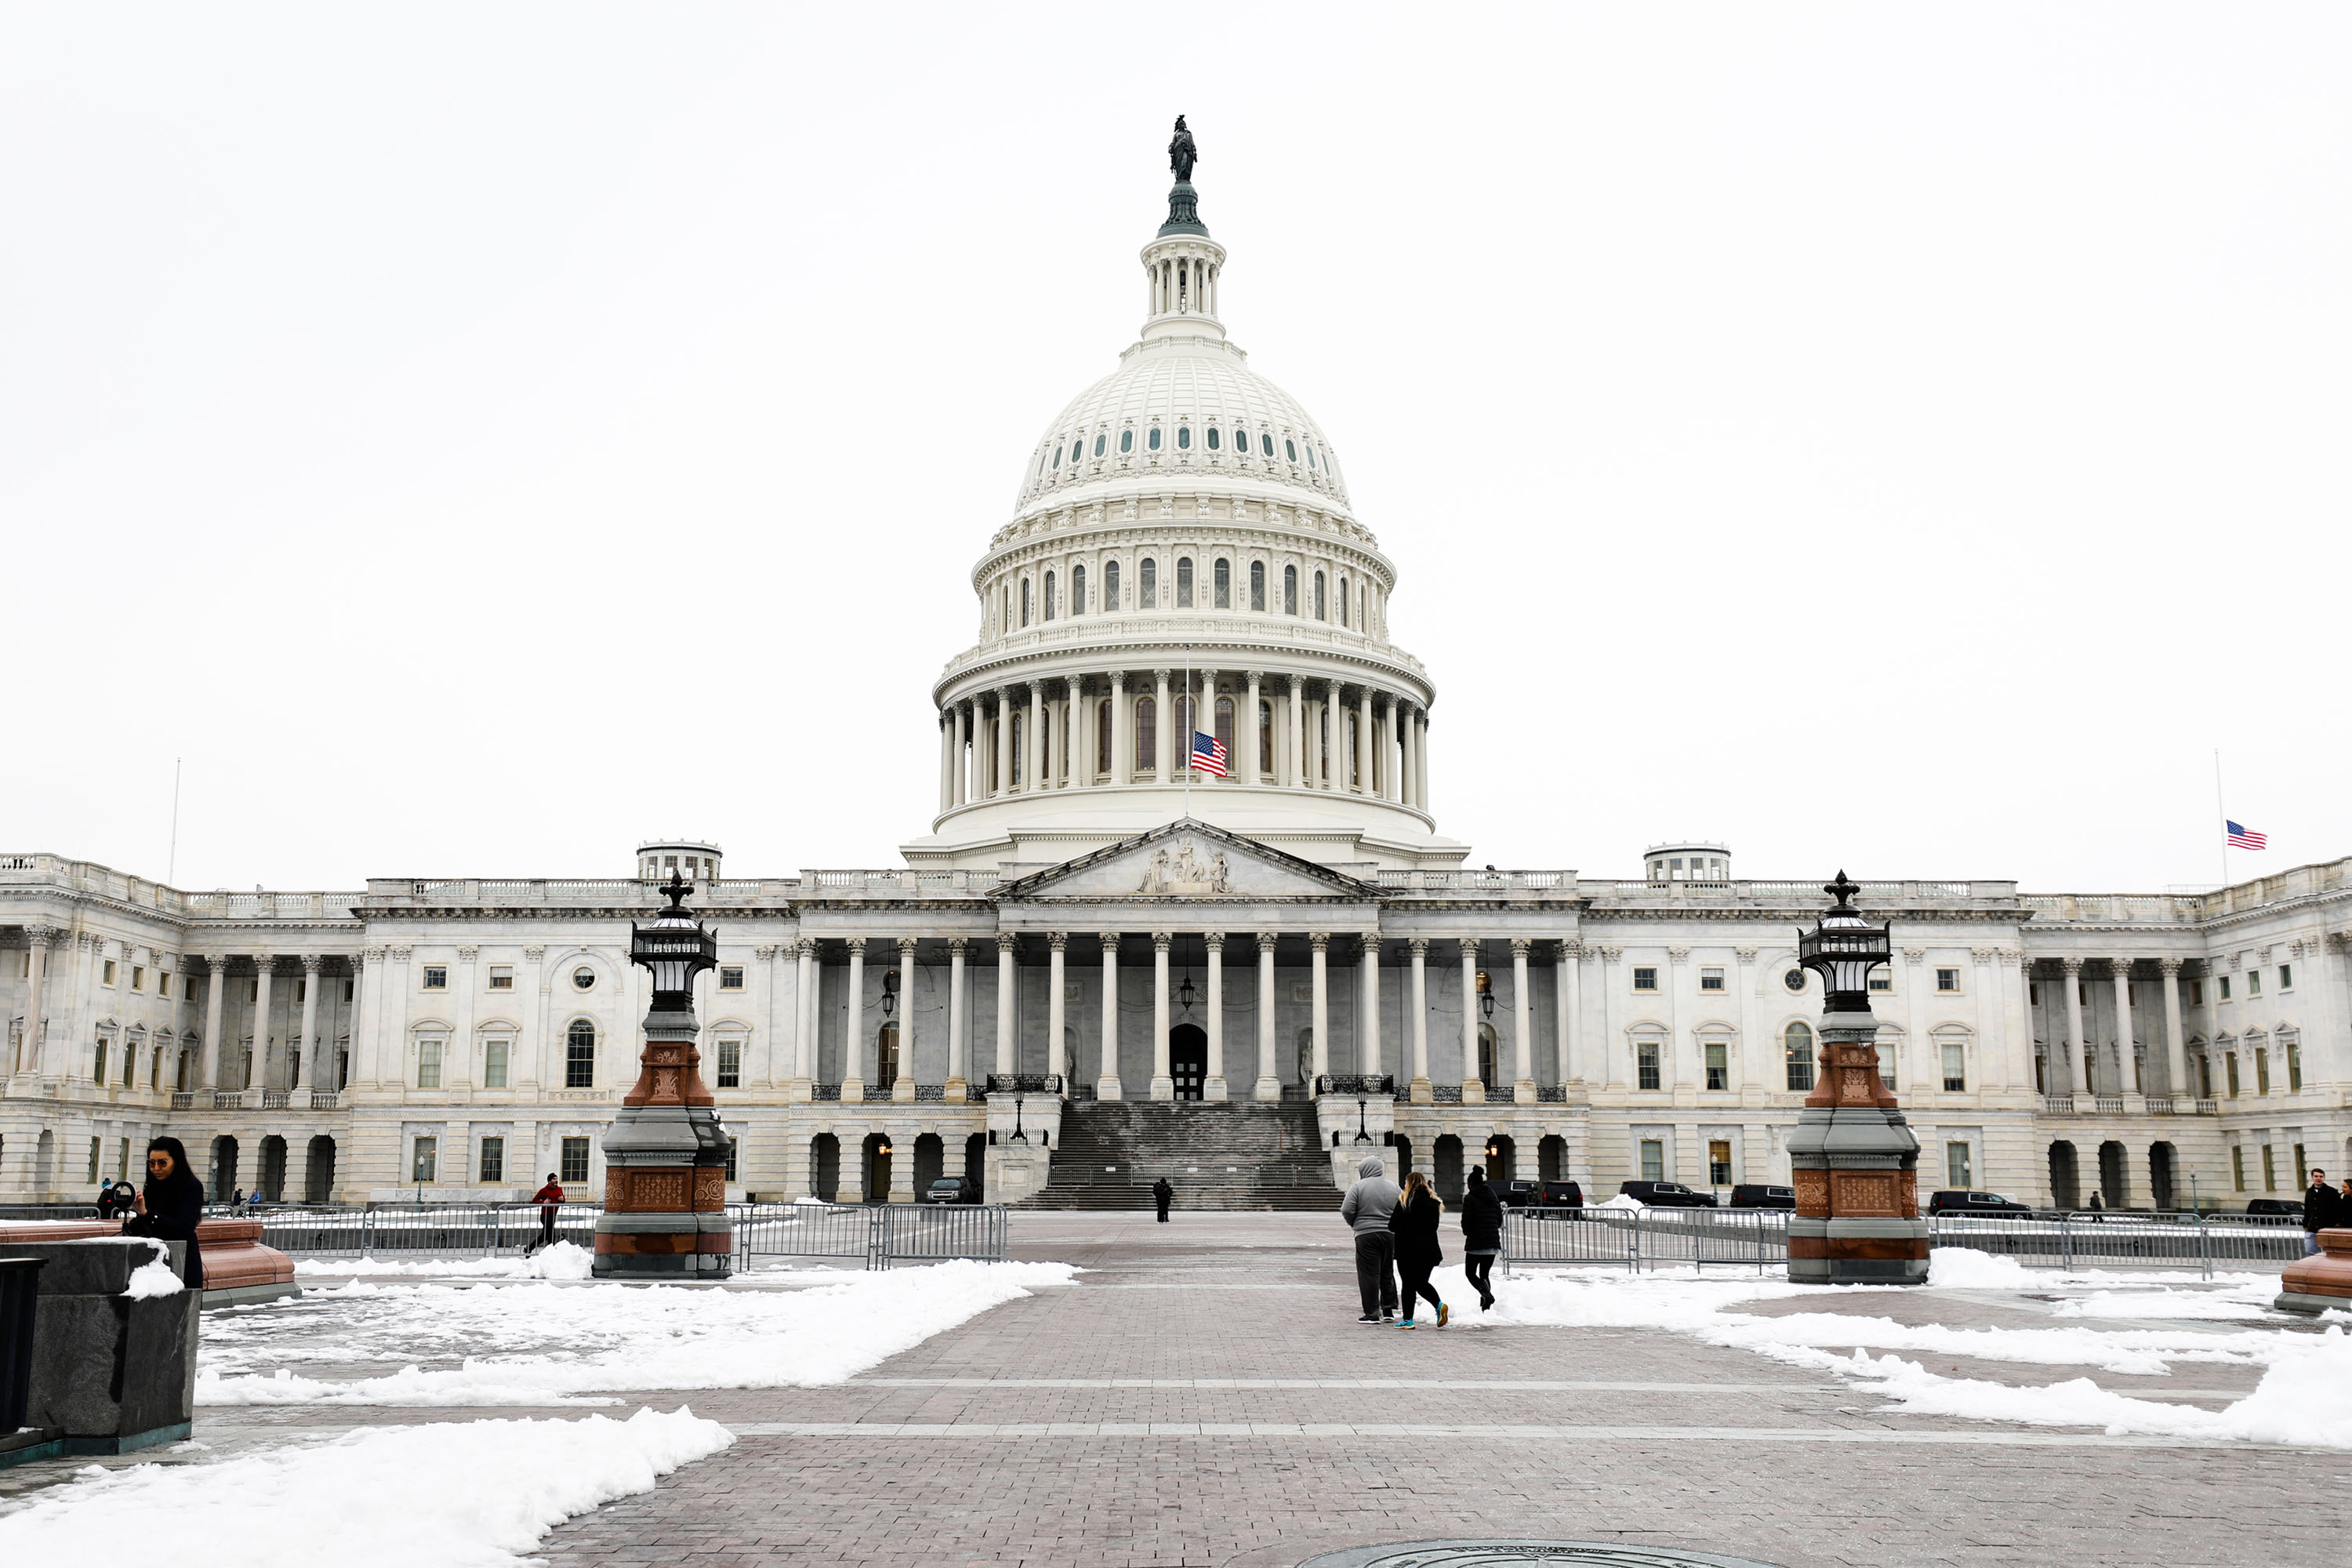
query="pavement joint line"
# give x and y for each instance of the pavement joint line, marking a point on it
(1501, 1385)
(1510, 1433)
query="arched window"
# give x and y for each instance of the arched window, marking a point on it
(1310, 457)
(1057, 453)
(1224, 574)
(1102, 736)
(1146, 733)
(1797, 1041)
(1355, 754)
(1127, 441)
(1343, 604)
(1265, 736)
(1290, 590)
(1078, 450)
(1320, 607)
(1154, 442)
(1024, 600)
(1111, 586)
(580, 1054)
(1078, 590)
(1184, 582)
(1013, 740)
(1099, 445)
(1241, 442)
(1258, 585)
(1291, 447)
(1187, 720)
(1049, 599)
(1265, 443)
(1183, 437)
(1148, 585)
(1225, 729)
(1214, 435)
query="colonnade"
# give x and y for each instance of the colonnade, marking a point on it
(1319, 733)
(2070, 1073)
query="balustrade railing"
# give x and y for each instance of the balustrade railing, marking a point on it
(1382, 1085)
(1025, 1083)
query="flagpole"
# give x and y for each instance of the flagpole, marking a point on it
(1191, 718)
(2222, 814)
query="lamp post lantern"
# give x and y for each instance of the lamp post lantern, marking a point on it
(665, 1153)
(1852, 1156)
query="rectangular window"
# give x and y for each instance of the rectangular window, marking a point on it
(1710, 979)
(580, 1060)
(1718, 1162)
(2230, 1062)
(494, 1160)
(2286, 977)
(1647, 1065)
(1718, 1068)
(1887, 1066)
(2225, 987)
(1800, 1066)
(138, 977)
(1947, 980)
(731, 977)
(1653, 1160)
(1956, 1069)
(575, 1165)
(436, 978)
(2261, 1069)
(106, 978)
(501, 976)
(426, 1156)
(93, 1160)
(98, 1066)
(2270, 1169)
(2302, 1171)
(2295, 1067)
(734, 1149)
(2197, 994)
(495, 1056)
(2238, 1166)
(1956, 1171)
(428, 1064)
(122, 1159)
(1645, 980)
(730, 1064)
(2254, 982)
(163, 982)
(1881, 980)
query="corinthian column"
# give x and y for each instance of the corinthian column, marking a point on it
(264, 967)
(1056, 1062)
(903, 1086)
(1269, 1083)
(29, 1049)
(307, 1072)
(853, 1031)
(1007, 944)
(1214, 1088)
(1523, 1048)
(2075, 1075)
(2176, 1049)
(1419, 948)
(1106, 1080)
(959, 1023)
(1247, 734)
(1360, 754)
(1473, 1088)
(1163, 1083)
(1318, 944)
(1122, 747)
(1079, 737)
(1295, 744)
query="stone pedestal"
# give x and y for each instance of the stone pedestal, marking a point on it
(111, 1374)
(1853, 1161)
(2322, 1281)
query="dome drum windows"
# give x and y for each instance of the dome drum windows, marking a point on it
(1184, 582)
(1099, 441)
(1079, 589)
(1126, 442)
(1224, 586)
(1024, 601)
(1153, 440)
(1320, 606)
(1148, 585)
(1111, 586)
(1050, 606)
(1290, 590)
(1147, 734)
(1257, 586)
(1183, 437)
(1291, 447)
(1214, 435)
(1265, 444)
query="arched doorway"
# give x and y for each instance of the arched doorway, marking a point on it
(877, 1166)
(45, 1163)
(224, 1181)
(1501, 1153)
(930, 1162)
(1188, 1059)
(2159, 1177)
(269, 1184)
(2065, 1181)
(2114, 1175)
(975, 1163)
(825, 1166)
(1446, 1172)
(318, 1171)
(1552, 1158)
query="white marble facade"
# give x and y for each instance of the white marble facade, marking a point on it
(1183, 543)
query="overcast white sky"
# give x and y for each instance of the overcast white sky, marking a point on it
(1904, 437)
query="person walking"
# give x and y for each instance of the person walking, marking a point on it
(1366, 1209)
(1414, 1224)
(172, 1205)
(550, 1199)
(1482, 1235)
(2319, 1211)
(1162, 1195)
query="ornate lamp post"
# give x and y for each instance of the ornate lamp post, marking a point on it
(1852, 1155)
(665, 1153)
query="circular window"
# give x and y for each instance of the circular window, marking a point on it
(1794, 980)
(584, 979)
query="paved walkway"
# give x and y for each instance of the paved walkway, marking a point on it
(1204, 1396)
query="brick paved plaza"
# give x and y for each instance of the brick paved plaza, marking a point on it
(1202, 1395)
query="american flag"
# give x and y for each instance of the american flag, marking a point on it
(2247, 839)
(1208, 753)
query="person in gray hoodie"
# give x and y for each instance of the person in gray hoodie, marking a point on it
(1367, 1208)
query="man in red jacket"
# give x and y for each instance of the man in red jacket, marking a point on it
(549, 1198)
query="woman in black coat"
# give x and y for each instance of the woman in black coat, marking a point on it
(1414, 1225)
(1482, 1235)
(172, 1205)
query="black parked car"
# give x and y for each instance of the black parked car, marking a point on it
(1519, 1195)
(952, 1189)
(2276, 1206)
(1562, 1195)
(1762, 1197)
(1977, 1203)
(1666, 1195)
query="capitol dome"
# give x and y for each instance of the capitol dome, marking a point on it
(1183, 558)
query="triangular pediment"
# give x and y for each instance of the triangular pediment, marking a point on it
(1186, 858)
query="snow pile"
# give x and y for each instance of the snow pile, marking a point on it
(1967, 1268)
(563, 1343)
(1622, 1201)
(564, 1260)
(155, 1277)
(476, 1494)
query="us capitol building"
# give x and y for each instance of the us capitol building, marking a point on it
(1094, 969)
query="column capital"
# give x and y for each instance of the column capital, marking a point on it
(1117, 679)
(1161, 941)
(1610, 954)
(906, 948)
(1008, 944)
(1745, 954)
(2020, 957)
(805, 947)
(2073, 966)
(1470, 947)
(765, 952)
(1110, 941)
(42, 936)
(1519, 945)
(2170, 967)
(368, 955)
(1255, 676)
(265, 964)
(313, 962)
(1677, 954)
(1417, 945)
(1161, 675)
(1320, 940)
(957, 944)
(1058, 941)
(1216, 941)
(538, 955)
(1915, 955)
(2121, 967)
(1266, 941)
(1984, 955)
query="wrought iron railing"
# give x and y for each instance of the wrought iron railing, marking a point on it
(1025, 1083)
(1357, 1083)
(1551, 1094)
(876, 1091)
(824, 1091)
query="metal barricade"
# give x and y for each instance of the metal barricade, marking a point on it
(1633, 1240)
(877, 1236)
(2096, 1238)
(423, 1230)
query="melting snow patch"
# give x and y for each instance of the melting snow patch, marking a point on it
(476, 1494)
(154, 1278)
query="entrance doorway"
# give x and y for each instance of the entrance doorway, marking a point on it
(1188, 1059)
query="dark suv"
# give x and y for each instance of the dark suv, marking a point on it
(951, 1190)
(1760, 1197)
(1977, 1203)
(1562, 1195)
(1518, 1194)
(1666, 1195)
